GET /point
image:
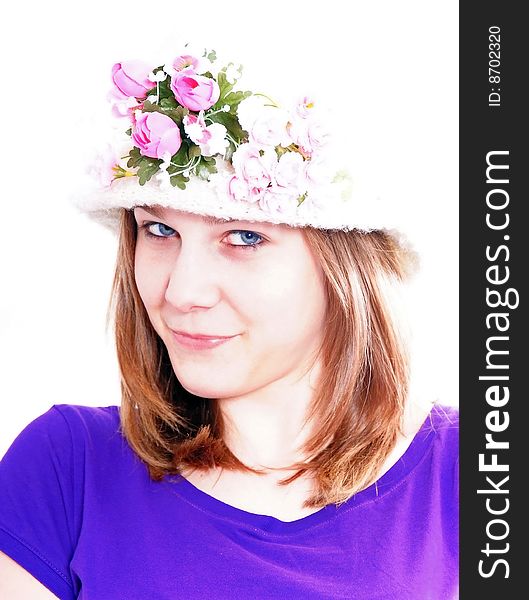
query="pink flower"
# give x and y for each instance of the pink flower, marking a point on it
(304, 107)
(290, 171)
(193, 91)
(278, 201)
(189, 61)
(102, 168)
(309, 134)
(270, 128)
(254, 166)
(184, 62)
(238, 189)
(211, 139)
(155, 134)
(131, 78)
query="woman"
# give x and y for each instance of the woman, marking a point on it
(267, 444)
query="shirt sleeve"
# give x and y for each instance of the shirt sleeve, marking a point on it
(38, 523)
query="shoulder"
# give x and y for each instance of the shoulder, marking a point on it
(89, 420)
(443, 423)
(63, 419)
(433, 429)
(61, 435)
(440, 433)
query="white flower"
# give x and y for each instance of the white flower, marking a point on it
(253, 167)
(157, 77)
(120, 105)
(169, 69)
(270, 128)
(166, 161)
(249, 109)
(217, 142)
(290, 172)
(211, 139)
(195, 127)
(309, 133)
(278, 201)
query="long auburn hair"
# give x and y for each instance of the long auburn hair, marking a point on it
(359, 398)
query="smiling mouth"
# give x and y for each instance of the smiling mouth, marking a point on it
(199, 343)
(200, 336)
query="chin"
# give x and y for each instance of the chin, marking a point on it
(206, 388)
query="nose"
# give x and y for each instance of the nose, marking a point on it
(193, 280)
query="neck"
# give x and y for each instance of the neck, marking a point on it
(265, 428)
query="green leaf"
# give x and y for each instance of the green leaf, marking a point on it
(135, 157)
(194, 151)
(229, 152)
(224, 86)
(302, 199)
(147, 168)
(233, 99)
(206, 167)
(176, 114)
(212, 56)
(164, 89)
(149, 106)
(180, 158)
(168, 103)
(179, 181)
(231, 123)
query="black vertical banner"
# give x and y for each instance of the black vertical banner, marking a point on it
(494, 267)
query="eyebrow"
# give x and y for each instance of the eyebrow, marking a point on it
(158, 212)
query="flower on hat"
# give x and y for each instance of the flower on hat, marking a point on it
(187, 114)
(186, 61)
(255, 166)
(309, 134)
(304, 107)
(131, 78)
(278, 201)
(193, 91)
(290, 171)
(270, 128)
(211, 139)
(156, 134)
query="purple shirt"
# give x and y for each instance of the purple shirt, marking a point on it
(80, 513)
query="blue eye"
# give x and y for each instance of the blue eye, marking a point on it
(249, 238)
(164, 230)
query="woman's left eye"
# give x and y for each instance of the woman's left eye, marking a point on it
(250, 239)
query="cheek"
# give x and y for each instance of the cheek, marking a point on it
(150, 280)
(288, 304)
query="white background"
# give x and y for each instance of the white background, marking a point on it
(390, 69)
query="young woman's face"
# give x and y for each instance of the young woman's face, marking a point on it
(257, 282)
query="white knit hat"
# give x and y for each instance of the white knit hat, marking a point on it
(196, 143)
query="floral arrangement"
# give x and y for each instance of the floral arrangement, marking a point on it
(186, 114)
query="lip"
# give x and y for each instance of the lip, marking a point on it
(199, 342)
